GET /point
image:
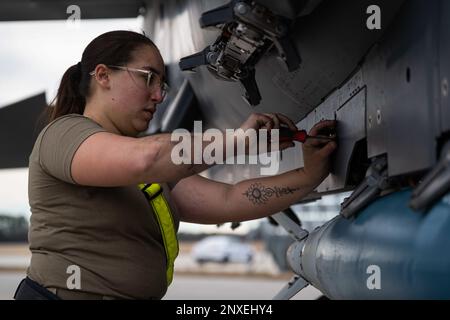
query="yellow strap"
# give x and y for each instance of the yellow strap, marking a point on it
(165, 222)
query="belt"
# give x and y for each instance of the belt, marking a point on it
(66, 294)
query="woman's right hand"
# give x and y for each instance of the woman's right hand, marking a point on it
(316, 153)
(268, 121)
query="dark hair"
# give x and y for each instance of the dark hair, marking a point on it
(110, 48)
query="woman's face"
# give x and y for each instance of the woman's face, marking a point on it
(133, 102)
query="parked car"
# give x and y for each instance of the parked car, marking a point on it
(222, 249)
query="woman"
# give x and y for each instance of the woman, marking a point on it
(94, 234)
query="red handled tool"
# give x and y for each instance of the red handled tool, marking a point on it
(287, 135)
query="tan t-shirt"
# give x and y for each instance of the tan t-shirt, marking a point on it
(111, 234)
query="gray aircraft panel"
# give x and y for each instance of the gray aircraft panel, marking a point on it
(401, 72)
(400, 75)
(444, 76)
(331, 42)
(411, 79)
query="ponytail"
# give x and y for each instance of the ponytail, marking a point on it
(69, 98)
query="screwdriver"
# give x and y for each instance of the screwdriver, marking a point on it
(287, 135)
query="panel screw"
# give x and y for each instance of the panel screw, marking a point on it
(241, 8)
(445, 87)
(281, 28)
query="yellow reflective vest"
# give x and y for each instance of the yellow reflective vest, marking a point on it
(154, 194)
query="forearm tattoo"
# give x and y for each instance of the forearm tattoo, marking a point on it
(260, 194)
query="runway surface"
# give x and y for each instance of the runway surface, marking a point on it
(196, 288)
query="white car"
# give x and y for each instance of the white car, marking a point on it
(221, 249)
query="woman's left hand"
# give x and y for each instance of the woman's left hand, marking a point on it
(317, 153)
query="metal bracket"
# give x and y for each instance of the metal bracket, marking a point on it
(195, 60)
(219, 15)
(296, 284)
(376, 181)
(249, 30)
(293, 228)
(434, 186)
(252, 95)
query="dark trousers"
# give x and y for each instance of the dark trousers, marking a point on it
(31, 290)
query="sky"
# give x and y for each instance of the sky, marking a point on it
(35, 54)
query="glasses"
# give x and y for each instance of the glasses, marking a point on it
(152, 80)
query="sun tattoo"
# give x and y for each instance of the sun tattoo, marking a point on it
(257, 194)
(260, 194)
